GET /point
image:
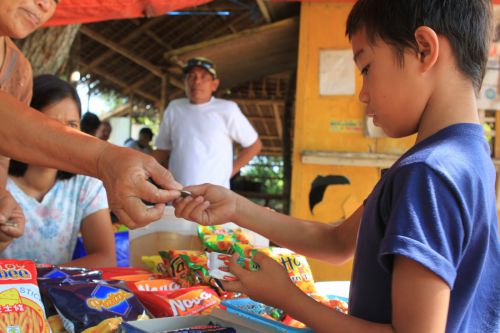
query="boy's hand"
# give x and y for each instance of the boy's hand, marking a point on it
(270, 285)
(209, 205)
(10, 212)
(125, 175)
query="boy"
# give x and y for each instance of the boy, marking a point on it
(426, 239)
(31, 137)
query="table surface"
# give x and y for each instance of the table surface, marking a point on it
(338, 288)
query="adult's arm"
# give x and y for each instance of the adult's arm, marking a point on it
(245, 155)
(29, 136)
(161, 156)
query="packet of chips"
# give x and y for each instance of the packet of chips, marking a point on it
(21, 308)
(219, 239)
(84, 305)
(155, 264)
(167, 284)
(296, 265)
(182, 302)
(188, 267)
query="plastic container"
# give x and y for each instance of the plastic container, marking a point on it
(246, 308)
(168, 233)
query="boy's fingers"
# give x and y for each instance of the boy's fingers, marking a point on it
(232, 286)
(235, 268)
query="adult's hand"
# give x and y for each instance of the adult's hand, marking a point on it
(125, 173)
(12, 212)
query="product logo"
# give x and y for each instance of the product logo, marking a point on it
(180, 306)
(14, 272)
(105, 298)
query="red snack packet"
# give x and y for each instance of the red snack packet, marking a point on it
(154, 285)
(183, 302)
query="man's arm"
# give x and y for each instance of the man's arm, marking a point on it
(245, 155)
(161, 156)
(29, 136)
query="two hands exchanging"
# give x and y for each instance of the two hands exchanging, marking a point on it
(11, 219)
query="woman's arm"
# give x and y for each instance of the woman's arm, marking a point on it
(99, 241)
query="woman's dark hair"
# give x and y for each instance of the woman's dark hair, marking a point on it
(467, 24)
(47, 89)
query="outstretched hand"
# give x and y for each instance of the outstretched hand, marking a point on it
(270, 285)
(209, 205)
(125, 175)
(11, 219)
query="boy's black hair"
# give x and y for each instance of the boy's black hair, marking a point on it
(465, 23)
(89, 123)
(47, 89)
(146, 131)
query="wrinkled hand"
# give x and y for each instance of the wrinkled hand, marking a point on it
(10, 211)
(270, 285)
(209, 205)
(124, 173)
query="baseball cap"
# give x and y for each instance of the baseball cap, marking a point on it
(200, 62)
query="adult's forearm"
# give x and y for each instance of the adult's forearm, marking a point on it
(29, 136)
(245, 156)
(4, 170)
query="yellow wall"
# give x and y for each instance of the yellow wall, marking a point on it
(322, 26)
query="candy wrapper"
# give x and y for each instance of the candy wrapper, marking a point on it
(155, 264)
(84, 305)
(189, 268)
(218, 265)
(154, 285)
(21, 308)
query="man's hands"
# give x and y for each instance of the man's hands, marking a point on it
(125, 175)
(270, 285)
(10, 211)
(209, 205)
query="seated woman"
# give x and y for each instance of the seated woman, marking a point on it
(58, 205)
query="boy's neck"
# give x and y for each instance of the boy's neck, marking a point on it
(450, 104)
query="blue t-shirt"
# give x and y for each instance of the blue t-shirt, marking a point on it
(436, 205)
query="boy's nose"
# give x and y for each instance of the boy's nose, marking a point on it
(363, 95)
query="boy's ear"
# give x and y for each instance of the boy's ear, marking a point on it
(428, 46)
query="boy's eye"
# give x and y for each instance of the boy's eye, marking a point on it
(364, 71)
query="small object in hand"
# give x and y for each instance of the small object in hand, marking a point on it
(185, 193)
(10, 223)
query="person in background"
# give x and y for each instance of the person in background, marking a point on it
(196, 134)
(90, 123)
(425, 242)
(59, 205)
(31, 137)
(104, 130)
(142, 144)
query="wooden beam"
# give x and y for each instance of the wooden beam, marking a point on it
(284, 23)
(122, 50)
(136, 33)
(119, 111)
(349, 158)
(254, 101)
(277, 119)
(266, 15)
(137, 84)
(124, 85)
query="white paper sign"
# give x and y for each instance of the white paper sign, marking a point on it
(336, 73)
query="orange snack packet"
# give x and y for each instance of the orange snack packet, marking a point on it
(21, 308)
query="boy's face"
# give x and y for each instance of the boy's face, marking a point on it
(19, 18)
(394, 94)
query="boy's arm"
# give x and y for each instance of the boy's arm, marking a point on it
(324, 241)
(420, 304)
(29, 136)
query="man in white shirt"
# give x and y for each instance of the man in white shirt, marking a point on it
(197, 133)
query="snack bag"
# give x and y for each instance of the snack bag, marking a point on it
(182, 302)
(155, 264)
(181, 265)
(109, 273)
(168, 284)
(84, 305)
(21, 308)
(220, 239)
(218, 265)
(56, 272)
